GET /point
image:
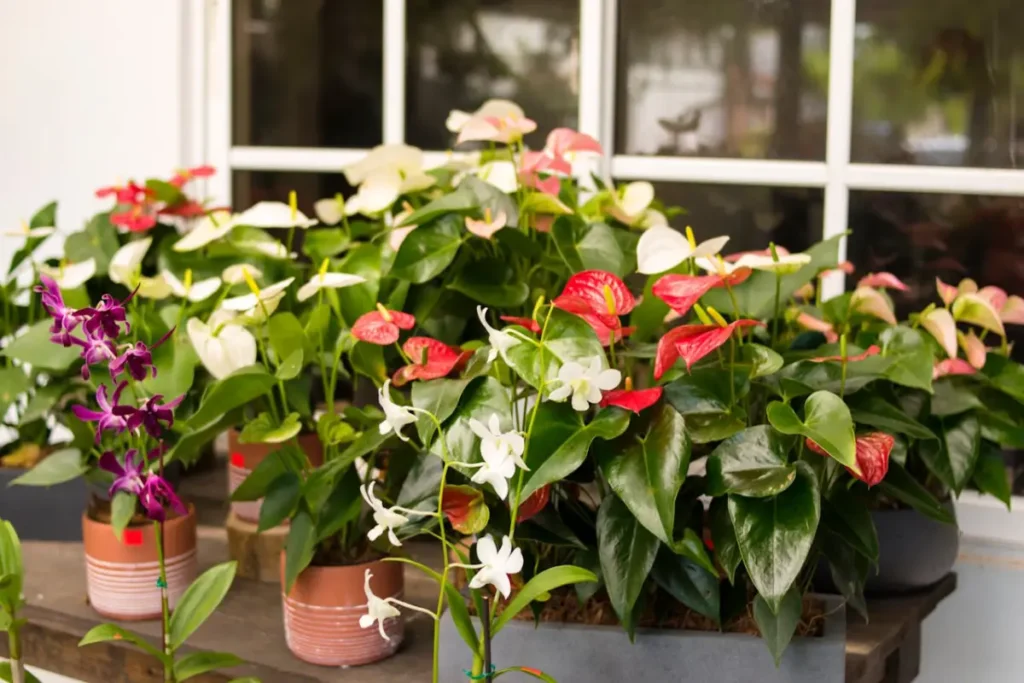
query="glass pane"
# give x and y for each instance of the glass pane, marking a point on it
(939, 83)
(745, 78)
(461, 54)
(249, 187)
(752, 216)
(919, 237)
(307, 73)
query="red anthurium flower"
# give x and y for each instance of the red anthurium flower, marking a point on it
(882, 281)
(692, 342)
(873, 451)
(681, 292)
(382, 326)
(430, 358)
(136, 219)
(132, 193)
(872, 350)
(630, 398)
(465, 509)
(536, 502)
(597, 294)
(607, 334)
(188, 208)
(184, 175)
(529, 323)
(952, 366)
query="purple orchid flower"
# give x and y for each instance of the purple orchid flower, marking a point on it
(154, 492)
(137, 360)
(95, 351)
(129, 477)
(151, 413)
(107, 317)
(157, 495)
(111, 416)
(65, 318)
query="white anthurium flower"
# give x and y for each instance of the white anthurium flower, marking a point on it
(155, 287)
(584, 384)
(661, 248)
(249, 301)
(631, 205)
(387, 518)
(499, 340)
(222, 346)
(379, 610)
(270, 248)
(376, 194)
(193, 291)
(501, 451)
(496, 565)
(500, 174)
(235, 274)
(497, 108)
(399, 159)
(126, 263)
(398, 234)
(325, 280)
(395, 416)
(71, 275)
(274, 215)
(330, 210)
(783, 265)
(716, 265)
(30, 233)
(210, 228)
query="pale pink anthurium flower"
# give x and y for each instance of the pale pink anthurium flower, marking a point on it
(488, 226)
(940, 324)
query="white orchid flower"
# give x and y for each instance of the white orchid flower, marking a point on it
(71, 275)
(496, 565)
(496, 108)
(584, 384)
(404, 161)
(235, 274)
(499, 340)
(395, 416)
(28, 233)
(193, 291)
(210, 228)
(501, 452)
(661, 248)
(275, 215)
(387, 518)
(126, 264)
(325, 280)
(222, 346)
(379, 610)
(631, 205)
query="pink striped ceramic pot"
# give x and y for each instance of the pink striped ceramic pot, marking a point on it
(321, 614)
(243, 458)
(121, 574)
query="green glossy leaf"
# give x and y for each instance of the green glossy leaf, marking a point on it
(492, 282)
(428, 250)
(692, 546)
(11, 567)
(42, 402)
(849, 571)
(826, 421)
(849, 517)
(282, 498)
(164, 191)
(485, 396)
(1006, 375)
(188, 448)
(761, 360)
(35, 348)
(560, 441)
(460, 617)
(13, 383)
(627, 551)
(911, 357)
(705, 391)
(713, 428)
(647, 474)
(723, 536)
(459, 201)
(98, 241)
(237, 389)
(265, 430)
(688, 583)
(290, 367)
(343, 505)
(255, 486)
(7, 675)
(45, 217)
(364, 261)
(953, 397)
(176, 361)
(566, 338)
(775, 534)
(752, 463)
(199, 601)
(56, 468)
(591, 247)
(107, 632)
(122, 509)
(952, 460)
(199, 663)
(298, 551)
(899, 484)
(439, 397)
(991, 475)
(778, 626)
(286, 335)
(544, 582)
(875, 411)
(324, 243)
(1000, 428)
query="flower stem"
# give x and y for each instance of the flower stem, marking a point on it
(14, 646)
(158, 530)
(328, 397)
(444, 574)
(775, 318)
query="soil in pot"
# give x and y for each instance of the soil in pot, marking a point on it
(322, 610)
(122, 573)
(243, 458)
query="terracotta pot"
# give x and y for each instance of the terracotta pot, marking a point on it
(321, 614)
(121, 575)
(243, 458)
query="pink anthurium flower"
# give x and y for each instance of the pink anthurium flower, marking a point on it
(505, 129)
(132, 193)
(630, 398)
(946, 292)
(967, 286)
(871, 302)
(681, 292)
(430, 359)
(596, 295)
(184, 175)
(488, 226)
(806, 292)
(940, 324)
(809, 322)
(973, 348)
(382, 326)
(843, 267)
(873, 451)
(872, 350)
(882, 281)
(564, 141)
(692, 342)
(1013, 310)
(977, 310)
(952, 366)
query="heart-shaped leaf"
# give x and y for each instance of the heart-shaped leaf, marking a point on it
(826, 421)
(428, 250)
(778, 625)
(752, 463)
(627, 551)
(874, 411)
(687, 582)
(264, 430)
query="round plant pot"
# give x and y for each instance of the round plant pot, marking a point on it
(914, 551)
(243, 458)
(121, 574)
(321, 614)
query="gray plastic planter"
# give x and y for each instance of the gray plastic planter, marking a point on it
(572, 653)
(41, 513)
(914, 551)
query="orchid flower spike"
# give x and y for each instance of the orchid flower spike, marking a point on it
(379, 610)
(386, 518)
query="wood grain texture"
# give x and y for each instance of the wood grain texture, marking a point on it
(258, 554)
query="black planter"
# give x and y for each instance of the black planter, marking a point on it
(40, 513)
(914, 551)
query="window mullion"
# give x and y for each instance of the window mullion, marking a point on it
(217, 16)
(394, 71)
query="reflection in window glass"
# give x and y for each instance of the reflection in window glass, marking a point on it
(461, 54)
(751, 216)
(743, 78)
(307, 73)
(939, 83)
(249, 187)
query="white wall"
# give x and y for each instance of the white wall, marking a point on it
(91, 91)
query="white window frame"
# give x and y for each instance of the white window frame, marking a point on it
(209, 109)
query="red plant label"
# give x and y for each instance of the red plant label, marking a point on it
(133, 537)
(237, 460)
